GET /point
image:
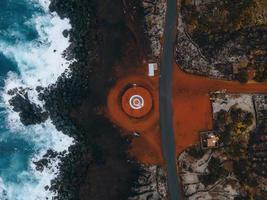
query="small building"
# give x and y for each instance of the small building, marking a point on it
(209, 140)
(152, 67)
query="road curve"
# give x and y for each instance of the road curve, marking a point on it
(165, 99)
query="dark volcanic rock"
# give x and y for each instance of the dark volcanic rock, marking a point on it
(65, 33)
(48, 159)
(29, 112)
(98, 166)
(41, 164)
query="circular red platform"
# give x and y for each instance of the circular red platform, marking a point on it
(137, 101)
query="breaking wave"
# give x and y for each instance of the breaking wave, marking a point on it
(33, 44)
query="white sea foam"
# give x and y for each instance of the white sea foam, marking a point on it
(39, 63)
(31, 183)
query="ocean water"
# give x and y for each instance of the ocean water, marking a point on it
(31, 47)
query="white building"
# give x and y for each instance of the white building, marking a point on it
(152, 67)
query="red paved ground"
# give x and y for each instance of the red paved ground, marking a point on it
(147, 147)
(191, 109)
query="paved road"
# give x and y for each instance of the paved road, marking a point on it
(167, 136)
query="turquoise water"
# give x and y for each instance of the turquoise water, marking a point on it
(15, 149)
(14, 17)
(28, 36)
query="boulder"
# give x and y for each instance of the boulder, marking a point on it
(29, 112)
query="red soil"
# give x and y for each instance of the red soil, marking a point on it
(191, 110)
(192, 107)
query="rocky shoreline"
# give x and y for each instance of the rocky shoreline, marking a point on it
(99, 159)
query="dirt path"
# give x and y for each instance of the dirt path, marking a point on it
(188, 82)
